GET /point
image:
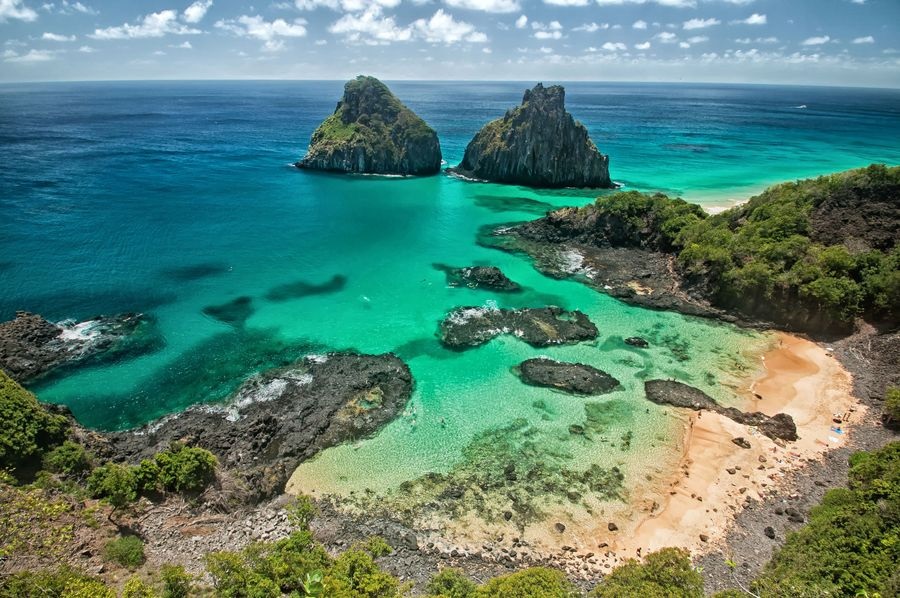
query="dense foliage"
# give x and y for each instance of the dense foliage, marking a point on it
(127, 551)
(776, 252)
(851, 546)
(892, 405)
(27, 430)
(664, 574)
(69, 458)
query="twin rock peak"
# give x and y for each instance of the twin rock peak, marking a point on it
(536, 144)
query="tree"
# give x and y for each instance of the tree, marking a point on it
(892, 405)
(667, 573)
(27, 429)
(114, 483)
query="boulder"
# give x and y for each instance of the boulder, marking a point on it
(466, 327)
(537, 144)
(479, 277)
(372, 132)
(573, 378)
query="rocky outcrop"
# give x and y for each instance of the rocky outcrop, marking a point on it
(467, 327)
(669, 392)
(537, 144)
(479, 277)
(573, 378)
(31, 346)
(282, 417)
(372, 132)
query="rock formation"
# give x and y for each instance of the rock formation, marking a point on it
(479, 277)
(537, 144)
(467, 327)
(372, 132)
(669, 392)
(574, 378)
(31, 346)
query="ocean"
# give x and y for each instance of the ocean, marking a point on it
(167, 198)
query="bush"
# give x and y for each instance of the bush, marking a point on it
(354, 574)
(892, 404)
(146, 477)
(185, 469)
(27, 429)
(536, 582)
(52, 584)
(127, 551)
(113, 482)
(301, 511)
(176, 582)
(451, 583)
(851, 545)
(663, 574)
(135, 587)
(69, 458)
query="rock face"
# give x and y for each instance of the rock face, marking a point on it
(479, 277)
(669, 392)
(282, 417)
(372, 132)
(574, 378)
(537, 144)
(467, 327)
(30, 346)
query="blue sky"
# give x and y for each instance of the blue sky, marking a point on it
(829, 42)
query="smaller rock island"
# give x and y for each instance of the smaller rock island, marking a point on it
(537, 144)
(372, 132)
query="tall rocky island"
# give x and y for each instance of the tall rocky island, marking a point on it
(537, 144)
(372, 132)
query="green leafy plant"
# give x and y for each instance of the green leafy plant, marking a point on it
(69, 458)
(451, 583)
(176, 582)
(667, 573)
(114, 483)
(28, 429)
(185, 469)
(127, 551)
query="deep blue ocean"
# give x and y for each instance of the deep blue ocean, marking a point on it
(169, 197)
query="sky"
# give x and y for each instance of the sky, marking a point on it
(818, 42)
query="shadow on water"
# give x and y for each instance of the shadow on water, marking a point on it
(6, 266)
(513, 204)
(302, 288)
(424, 347)
(194, 271)
(208, 372)
(234, 312)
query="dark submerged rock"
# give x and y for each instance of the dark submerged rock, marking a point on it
(537, 144)
(467, 327)
(372, 132)
(670, 392)
(31, 346)
(479, 277)
(636, 341)
(574, 378)
(284, 416)
(234, 312)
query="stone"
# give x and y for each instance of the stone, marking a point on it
(612, 527)
(573, 378)
(560, 527)
(769, 532)
(466, 327)
(704, 538)
(479, 277)
(537, 144)
(372, 132)
(636, 341)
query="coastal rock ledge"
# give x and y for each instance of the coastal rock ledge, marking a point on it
(372, 132)
(537, 144)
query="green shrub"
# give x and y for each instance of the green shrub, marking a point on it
(27, 429)
(232, 578)
(113, 482)
(127, 551)
(51, 584)
(185, 469)
(664, 574)
(146, 477)
(536, 582)
(892, 404)
(354, 574)
(69, 458)
(851, 545)
(451, 583)
(176, 583)
(301, 511)
(87, 588)
(135, 587)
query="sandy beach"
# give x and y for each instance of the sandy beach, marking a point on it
(716, 476)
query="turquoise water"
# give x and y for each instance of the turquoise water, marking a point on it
(169, 198)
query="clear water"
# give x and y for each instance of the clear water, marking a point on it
(167, 198)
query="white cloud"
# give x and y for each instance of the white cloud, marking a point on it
(30, 56)
(698, 39)
(567, 2)
(70, 7)
(15, 9)
(500, 6)
(370, 27)
(758, 40)
(551, 30)
(87, 50)
(345, 5)
(614, 46)
(56, 37)
(684, 45)
(643, 46)
(754, 19)
(864, 40)
(639, 25)
(700, 23)
(666, 37)
(196, 11)
(443, 28)
(591, 27)
(546, 50)
(521, 22)
(157, 24)
(816, 41)
(183, 46)
(268, 32)
(673, 3)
